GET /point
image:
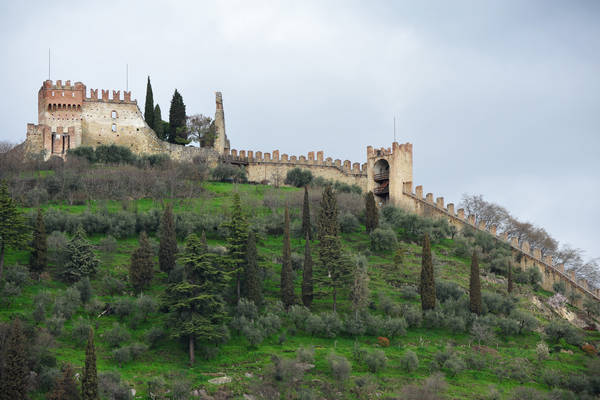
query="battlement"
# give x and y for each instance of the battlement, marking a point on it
(116, 96)
(396, 148)
(58, 85)
(247, 157)
(524, 247)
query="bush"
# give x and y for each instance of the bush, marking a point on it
(123, 307)
(454, 365)
(394, 327)
(340, 367)
(409, 361)
(270, 323)
(508, 326)
(111, 387)
(112, 286)
(16, 274)
(559, 329)
(412, 315)
(496, 303)
(81, 330)
(481, 332)
(122, 355)
(254, 333)
(552, 378)
(298, 315)
(527, 393)
(85, 289)
(117, 335)
(446, 290)
(431, 388)
(375, 361)
(433, 319)
(383, 341)
(55, 324)
(559, 287)
(67, 303)
(306, 354)
(332, 324)
(383, 239)
(542, 352)
(348, 223)
(298, 177)
(144, 306)
(389, 307)
(409, 292)
(456, 324)
(527, 322)
(229, 173)
(154, 335)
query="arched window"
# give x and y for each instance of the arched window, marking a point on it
(114, 127)
(49, 107)
(113, 114)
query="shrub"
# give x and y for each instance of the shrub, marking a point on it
(67, 303)
(55, 324)
(557, 330)
(375, 360)
(431, 388)
(254, 333)
(81, 330)
(552, 378)
(559, 287)
(270, 323)
(298, 177)
(348, 223)
(298, 315)
(117, 335)
(17, 275)
(286, 370)
(433, 319)
(340, 367)
(154, 335)
(383, 239)
(110, 387)
(454, 365)
(456, 324)
(112, 286)
(389, 307)
(589, 349)
(383, 341)
(393, 327)
(123, 307)
(508, 326)
(332, 324)
(409, 292)
(412, 316)
(409, 361)
(481, 332)
(446, 290)
(475, 361)
(306, 354)
(122, 355)
(527, 393)
(144, 306)
(85, 289)
(527, 322)
(542, 352)
(496, 303)
(229, 173)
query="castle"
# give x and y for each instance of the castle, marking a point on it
(68, 118)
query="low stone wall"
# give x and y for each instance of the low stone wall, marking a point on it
(551, 273)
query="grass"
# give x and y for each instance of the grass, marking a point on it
(236, 357)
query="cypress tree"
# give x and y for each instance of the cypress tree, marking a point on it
(475, 286)
(81, 259)
(39, 254)
(177, 116)
(13, 385)
(306, 228)
(159, 127)
(149, 107)
(328, 214)
(307, 275)
(141, 268)
(427, 286)
(287, 282)
(14, 232)
(65, 387)
(167, 251)
(196, 306)
(253, 283)
(510, 278)
(89, 380)
(371, 213)
(237, 240)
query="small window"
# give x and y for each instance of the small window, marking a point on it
(114, 127)
(73, 94)
(63, 94)
(52, 93)
(113, 114)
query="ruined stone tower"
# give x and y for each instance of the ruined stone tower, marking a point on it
(221, 142)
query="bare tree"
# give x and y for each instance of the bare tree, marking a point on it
(484, 211)
(201, 129)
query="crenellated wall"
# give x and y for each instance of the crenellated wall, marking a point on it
(551, 273)
(272, 168)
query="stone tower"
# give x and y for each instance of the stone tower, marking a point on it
(221, 142)
(388, 171)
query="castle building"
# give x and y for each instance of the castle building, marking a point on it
(69, 118)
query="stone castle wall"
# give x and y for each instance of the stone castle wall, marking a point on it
(271, 168)
(551, 273)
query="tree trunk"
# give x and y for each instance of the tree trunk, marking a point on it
(238, 287)
(191, 348)
(334, 298)
(1, 260)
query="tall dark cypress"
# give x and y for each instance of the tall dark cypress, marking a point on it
(237, 239)
(13, 385)
(141, 268)
(89, 380)
(475, 286)
(159, 127)
(167, 251)
(371, 213)
(177, 116)
(39, 254)
(149, 107)
(253, 284)
(287, 281)
(306, 228)
(307, 275)
(510, 278)
(328, 214)
(427, 286)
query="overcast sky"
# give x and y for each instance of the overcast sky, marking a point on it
(500, 98)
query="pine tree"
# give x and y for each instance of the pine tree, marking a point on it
(13, 229)
(13, 383)
(510, 278)
(81, 260)
(335, 269)
(427, 286)
(237, 240)
(167, 251)
(196, 306)
(287, 281)
(39, 254)
(159, 127)
(65, 387)
(307, 275)
(177, 119)
(149, 107)
(306, 228)
(253, 284)
(371, 213)
(141, 268)
(475, 286)
(89, 380)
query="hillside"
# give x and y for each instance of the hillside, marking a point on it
(498, 355)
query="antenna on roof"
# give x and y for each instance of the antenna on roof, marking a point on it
(394, 128)
(127, 77)
(48, 63)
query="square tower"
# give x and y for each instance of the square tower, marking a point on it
(388, 170)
